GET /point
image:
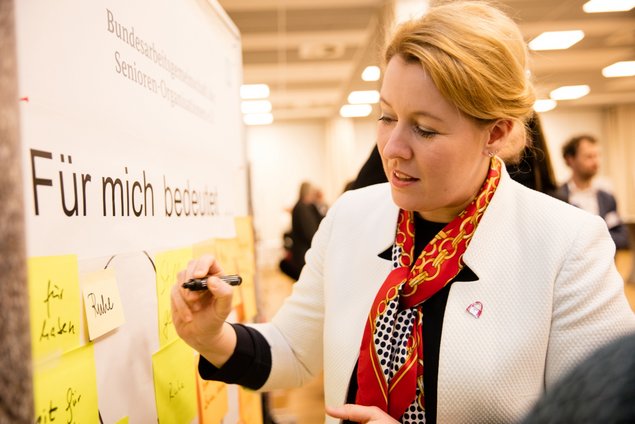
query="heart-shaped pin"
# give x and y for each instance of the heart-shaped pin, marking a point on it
(475, 309)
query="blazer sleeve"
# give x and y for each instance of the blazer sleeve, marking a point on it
(295, 333)
(589, 306)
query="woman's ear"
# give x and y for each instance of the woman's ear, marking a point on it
(506, 139)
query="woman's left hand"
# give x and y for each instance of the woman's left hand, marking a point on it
(360, 414)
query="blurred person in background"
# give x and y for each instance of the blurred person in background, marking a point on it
(305, 219)
(582, 156)
(533, 169)
(372, 172)
(450, 294)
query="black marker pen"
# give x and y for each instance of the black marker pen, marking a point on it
(197, 284)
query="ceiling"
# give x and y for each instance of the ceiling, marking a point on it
(311, 52)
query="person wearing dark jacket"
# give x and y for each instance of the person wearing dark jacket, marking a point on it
(582, 156)
(305, 219)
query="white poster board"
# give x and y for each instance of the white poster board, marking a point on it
(132, 144)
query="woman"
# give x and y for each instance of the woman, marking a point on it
(305, 219)
(451, 293)
(533, 169)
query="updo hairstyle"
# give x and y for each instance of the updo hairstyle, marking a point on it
(475, 55)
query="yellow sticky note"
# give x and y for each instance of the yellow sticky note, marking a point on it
(102, 303)
(54, 304)
(248, 294)
(245, 238)
(206, 247)
(224, 250)
(65, 388)
(124, 420)
(174, 370)
(249, 406)
(227, 254)
(213, 402)
(168, 265)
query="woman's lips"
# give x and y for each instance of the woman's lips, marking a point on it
(400, 179)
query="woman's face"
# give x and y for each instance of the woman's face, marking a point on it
(435, 157)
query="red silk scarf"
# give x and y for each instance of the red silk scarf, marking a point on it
(390, 369)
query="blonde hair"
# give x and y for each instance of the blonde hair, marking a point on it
(475, 55)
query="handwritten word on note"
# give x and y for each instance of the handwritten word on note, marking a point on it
(174, 370)
(54, 304)
(168, 265)
(102, 303)
(65, 388)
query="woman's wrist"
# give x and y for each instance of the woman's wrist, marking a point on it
(220, 348)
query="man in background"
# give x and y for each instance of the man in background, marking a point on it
(581, 154)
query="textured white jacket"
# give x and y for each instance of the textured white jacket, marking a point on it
(547, 281)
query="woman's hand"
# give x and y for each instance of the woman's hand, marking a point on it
(199, 316)
(361, 414)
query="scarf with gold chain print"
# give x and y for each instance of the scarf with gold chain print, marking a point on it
(390, 369)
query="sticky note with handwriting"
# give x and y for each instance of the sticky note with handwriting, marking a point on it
(102, 303)
(54, 305)
(168, 264)
(174, 371)
(65, 388)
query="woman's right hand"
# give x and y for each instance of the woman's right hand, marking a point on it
(199, 316)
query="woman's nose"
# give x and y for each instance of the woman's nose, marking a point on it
(397, 144)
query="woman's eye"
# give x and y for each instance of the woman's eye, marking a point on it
(421, 132)
(385, 119)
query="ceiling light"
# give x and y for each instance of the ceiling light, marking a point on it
(355, 111)
(258, 119)
(620, 69)
(367, 96)
(255, 106)
(599, 6)
(254, 91)
(371, 73)
(569, 92)
(544, 105)
(556, 40)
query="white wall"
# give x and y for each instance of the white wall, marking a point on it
(348, 145)
(282, 155)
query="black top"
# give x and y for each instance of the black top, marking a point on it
(305, 220)
(250, 364)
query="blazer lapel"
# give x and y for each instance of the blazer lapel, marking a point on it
(487, 244)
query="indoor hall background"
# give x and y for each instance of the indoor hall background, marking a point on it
(311, 54)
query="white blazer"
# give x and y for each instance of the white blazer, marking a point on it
(546, 278)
